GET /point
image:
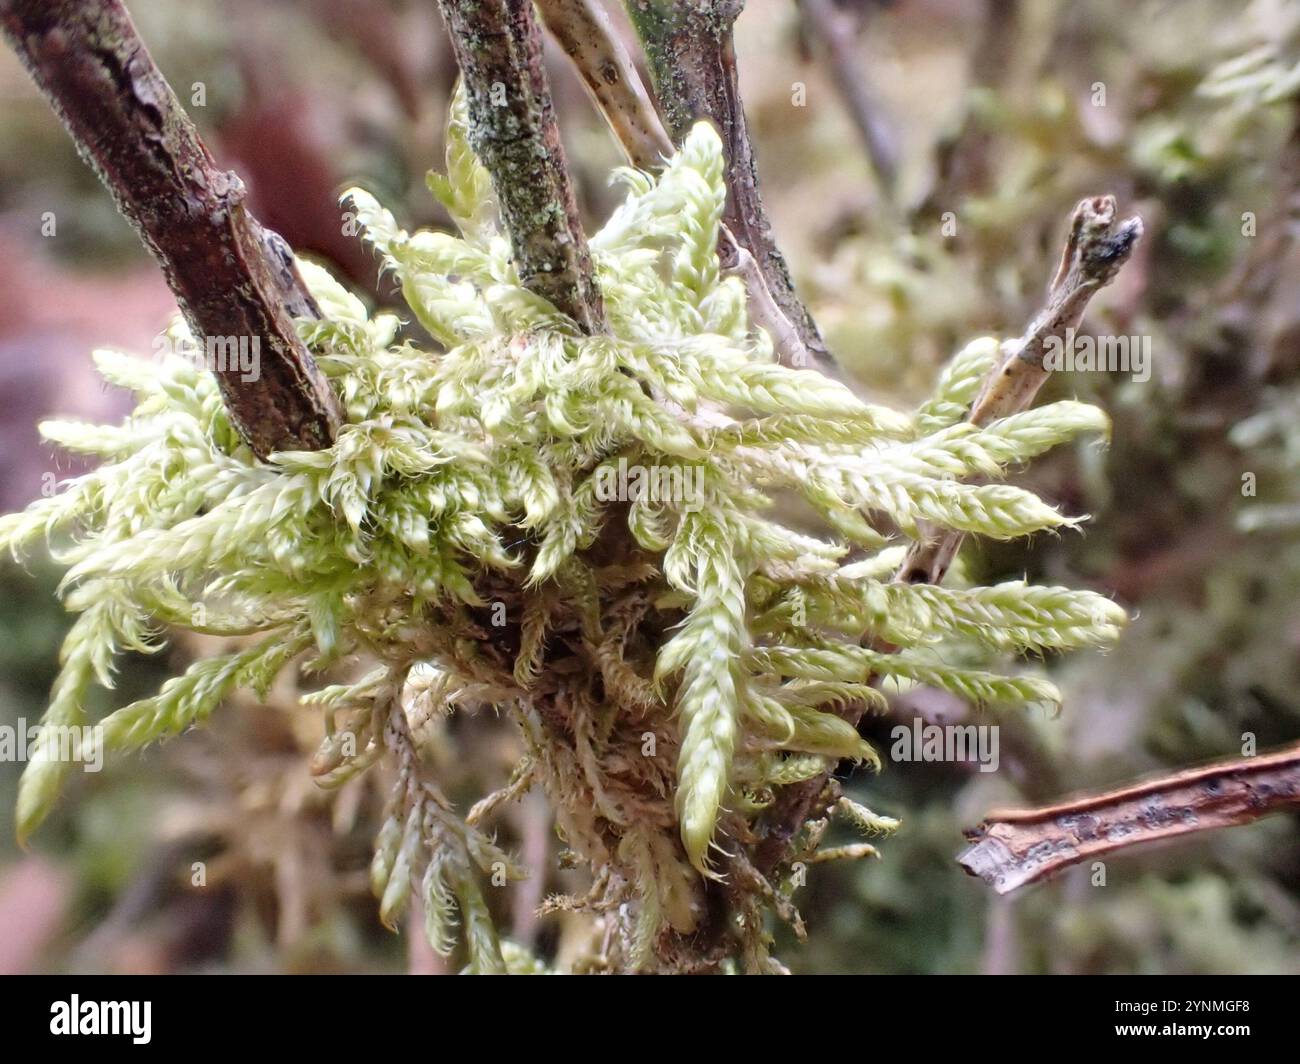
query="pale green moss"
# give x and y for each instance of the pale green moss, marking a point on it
(474, 477)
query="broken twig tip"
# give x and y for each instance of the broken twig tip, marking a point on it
(1011, 848)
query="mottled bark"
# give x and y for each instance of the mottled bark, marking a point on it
(693, 63)
(1013, 848)
(514, 131)
(233, 280)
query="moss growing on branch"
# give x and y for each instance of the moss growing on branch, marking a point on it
(575, 529)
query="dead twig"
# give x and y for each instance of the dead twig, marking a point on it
(693, 63)
(1097, 246)
(1016, 847)
(583, 29)
(235, 282)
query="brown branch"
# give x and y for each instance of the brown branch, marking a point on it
(583, 30)
(514, 131)
(828, 24)
(1097, 246)
(693, 63)
(1013, 848)
(234, 281)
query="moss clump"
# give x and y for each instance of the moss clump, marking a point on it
(574, 529)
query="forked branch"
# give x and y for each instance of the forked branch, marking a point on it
(583, 29)
(692, 59)
(1097, 246)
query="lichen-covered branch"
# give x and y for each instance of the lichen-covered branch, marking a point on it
(692, 60)
(513, 130)
(1013, 848)
(234, 281)
(1097, 246)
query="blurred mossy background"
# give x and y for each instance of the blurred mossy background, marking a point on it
(216, 852)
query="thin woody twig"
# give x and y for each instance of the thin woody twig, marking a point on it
(583, 30)
(1013, 848)
(514, 131)
(692, 60)
(233, 280)
(1097, 246)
